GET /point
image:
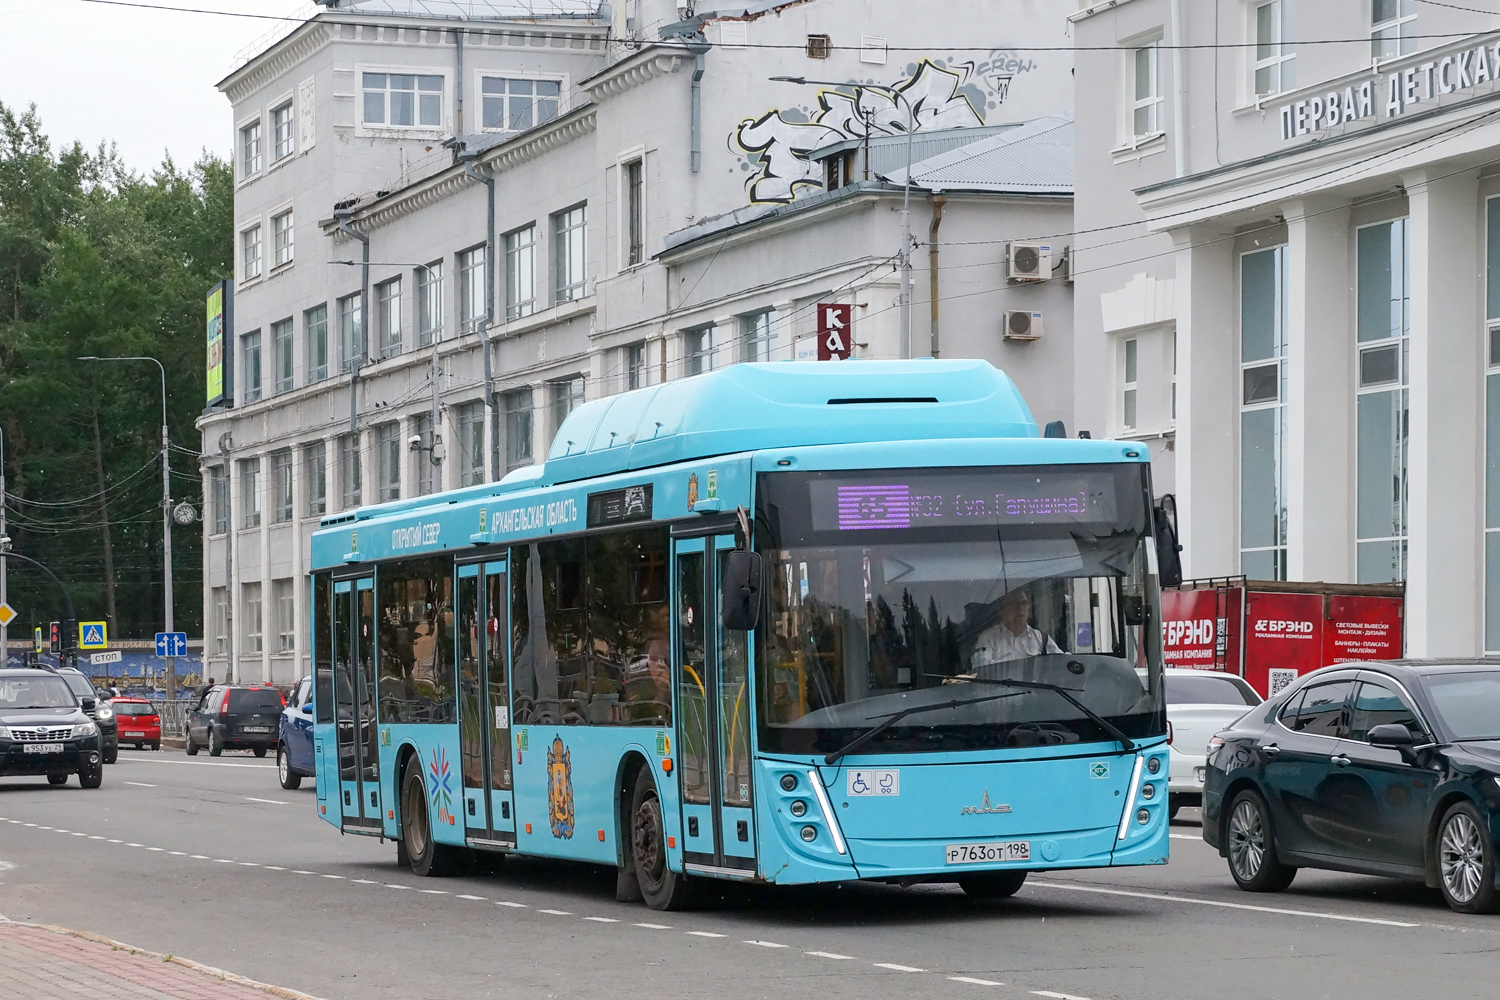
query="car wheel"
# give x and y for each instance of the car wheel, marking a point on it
(57, 779)
(663, 888)
(260, 751)
(190, 746)
(1174, 806)
(427, 857)
(90, 779)
(993, 885)
(1252, 846)
(1466, 861)
(290, 780)
(215, 745)
(156, 746)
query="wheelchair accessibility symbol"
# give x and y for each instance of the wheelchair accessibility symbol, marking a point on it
(873, 781)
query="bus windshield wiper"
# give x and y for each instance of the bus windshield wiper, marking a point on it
(891, 720)
(1126, 742)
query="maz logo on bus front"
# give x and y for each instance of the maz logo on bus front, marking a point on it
(417, 534)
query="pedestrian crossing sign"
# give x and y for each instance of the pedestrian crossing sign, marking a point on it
(93, 635)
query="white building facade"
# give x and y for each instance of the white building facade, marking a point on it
(555, 209)
(1288, 282)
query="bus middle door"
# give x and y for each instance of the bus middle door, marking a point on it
(713, 717)
(354, 702)
(484, 706)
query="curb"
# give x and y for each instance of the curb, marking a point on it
(228, 977)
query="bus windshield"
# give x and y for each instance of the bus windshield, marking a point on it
(892, 590)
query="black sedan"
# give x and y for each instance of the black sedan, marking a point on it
(1383, 768)
(44, 731)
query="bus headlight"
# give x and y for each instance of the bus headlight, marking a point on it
(1148, 791)
(1143, 816)
(809, 833)
(798, 808)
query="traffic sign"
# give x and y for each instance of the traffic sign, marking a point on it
(7, 614)
(93, 635)
(38, 638)
(171, 644)
(99, 659)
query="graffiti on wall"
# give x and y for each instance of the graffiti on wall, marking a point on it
(774, 148)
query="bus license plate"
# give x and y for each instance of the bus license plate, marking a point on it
(1005, 850)
(42, 748)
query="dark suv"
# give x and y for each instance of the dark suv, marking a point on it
(101, 712)
(44, 729)
(233, 717)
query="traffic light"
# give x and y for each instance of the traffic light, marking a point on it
(55, 643)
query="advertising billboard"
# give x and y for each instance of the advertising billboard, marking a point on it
(220, 331)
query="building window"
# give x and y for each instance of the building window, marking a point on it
(698, 350)
(1275, 70)
(281, 486)
(819, 46)
(1263, 414)
(250, 366)
(351, 472)
(520, 273)
(250, 592)
(250, 150)
(518, 406)
(1393, 27)
(250, 253)
(250, 492)
(282, 239)
(635, 365)
(635, 212)
(758, 336)
(1146, 105)
(285, 602)
(429, 303)
(427, 481)
(566, 396)
(1383, 322)
(315, 326)
(471, 444)
(569, 266)
(218, 498)
(281, 355)
(220, 596)
(471, 304)
(282, 119)
(1129, 372)
(512, 105)
(403, 100)
(388, 462)
(315, 475)
(388, 317)
(351, 330)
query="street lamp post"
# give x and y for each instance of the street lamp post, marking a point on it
(170, 681)
(905, 256)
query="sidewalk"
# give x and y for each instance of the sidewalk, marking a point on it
(50, 963)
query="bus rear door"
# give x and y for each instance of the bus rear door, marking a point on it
(484, 706)
(713, 717)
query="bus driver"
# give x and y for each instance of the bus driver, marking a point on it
(1012, 637)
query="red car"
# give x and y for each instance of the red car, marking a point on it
(138, 722)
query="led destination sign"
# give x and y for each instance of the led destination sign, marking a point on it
(904, 501)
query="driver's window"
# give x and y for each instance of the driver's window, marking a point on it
(1378, 705)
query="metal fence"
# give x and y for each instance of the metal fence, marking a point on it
(173, 716)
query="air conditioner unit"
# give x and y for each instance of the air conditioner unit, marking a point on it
(1022, 324)
(1028, 261)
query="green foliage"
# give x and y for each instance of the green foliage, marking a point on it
(97, 260)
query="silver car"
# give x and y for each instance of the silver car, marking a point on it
(1199, 704)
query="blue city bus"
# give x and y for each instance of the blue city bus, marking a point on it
(777, 623)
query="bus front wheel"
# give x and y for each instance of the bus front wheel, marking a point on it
(663, 888)
(426, 856)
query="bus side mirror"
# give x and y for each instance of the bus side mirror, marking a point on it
(1168, 550)
(742, 572)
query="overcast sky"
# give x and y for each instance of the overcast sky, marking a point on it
(143, 79)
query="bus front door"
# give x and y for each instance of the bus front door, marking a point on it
(484, 706)
(713, 717)
(354, 702)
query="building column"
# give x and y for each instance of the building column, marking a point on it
(1207, 392)
(263, 536)
(1320, 393)
(300, 491)
(232, 576)
(1444, 471)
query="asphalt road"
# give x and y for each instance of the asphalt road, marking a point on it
(213, 861)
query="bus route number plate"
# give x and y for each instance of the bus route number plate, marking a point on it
(1005, 850)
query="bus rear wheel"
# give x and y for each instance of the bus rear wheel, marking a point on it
(662, 888)
(993, 885)
(426, 857)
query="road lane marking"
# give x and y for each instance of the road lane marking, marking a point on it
(897, 968)
(654, 927)
(249, 864)
(602, 920)
(1185, 836)
(196, 763)
(976, 982)
(1229, 906)
(464, 895)
(557, 913)
(195, 857)
(430, 892)
(269, 802)
(139, 784)
(299, 871)
(1056, 996)
(707, 934)
(830, 954)
(156, 848)
(179, 854)
(766, 944)
(516, 906)
(390, 885)
(95, 837)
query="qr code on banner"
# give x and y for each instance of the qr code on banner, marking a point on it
(1281, 679)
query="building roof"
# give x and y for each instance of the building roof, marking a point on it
(888, 152)
(471, 10)
(1034, 158)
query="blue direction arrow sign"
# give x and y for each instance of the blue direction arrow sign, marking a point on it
(171, 644)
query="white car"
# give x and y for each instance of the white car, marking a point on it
(1199, 704)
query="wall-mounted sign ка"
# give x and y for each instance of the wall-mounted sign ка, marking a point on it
(1402, 89)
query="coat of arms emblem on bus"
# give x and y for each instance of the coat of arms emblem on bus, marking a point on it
(692, 491)
(560, 789)
(440, 774)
